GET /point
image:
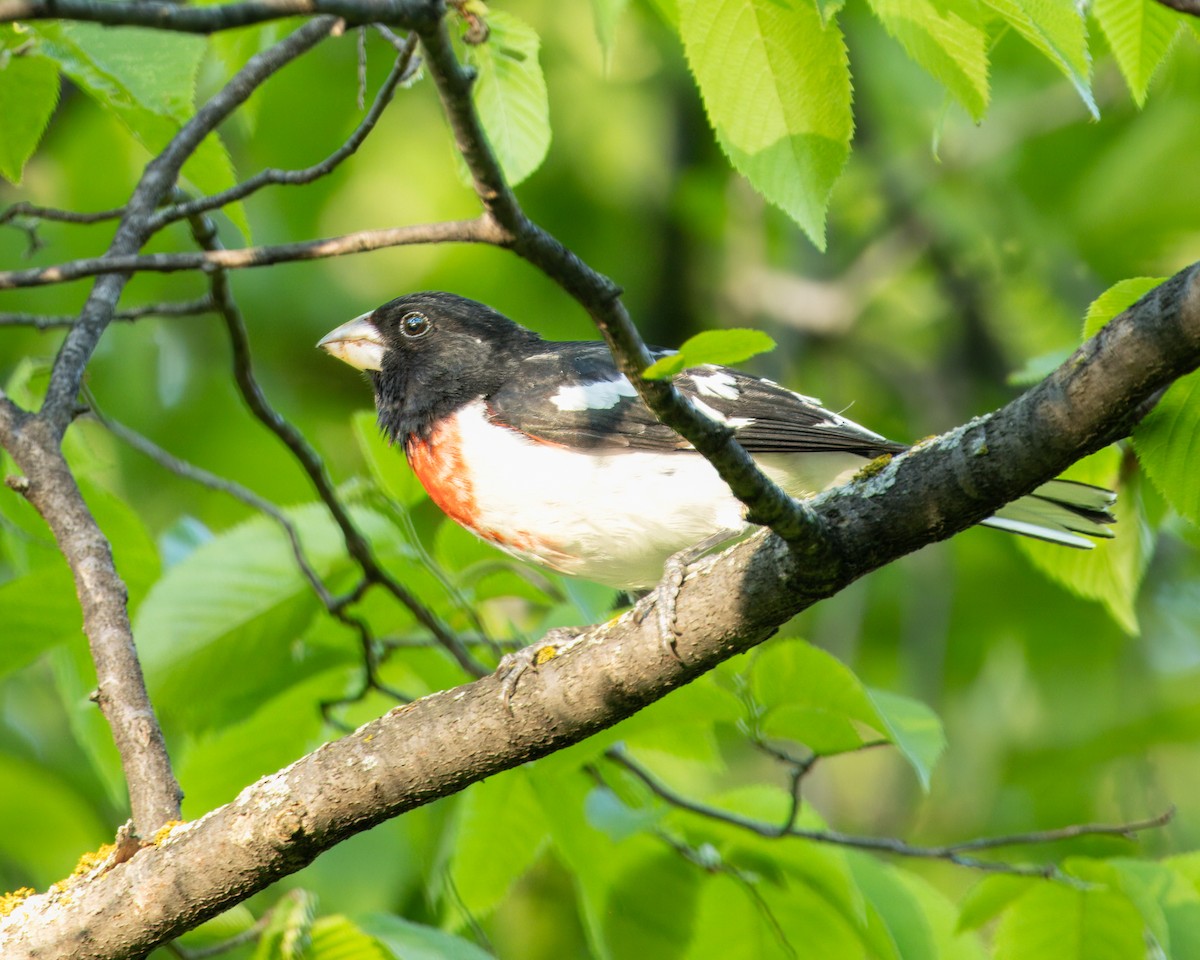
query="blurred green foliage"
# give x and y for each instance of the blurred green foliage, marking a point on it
(961, 257)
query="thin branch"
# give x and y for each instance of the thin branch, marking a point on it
(188, 19)
(1191, 7)
(477, 230)
(601, 297)
(181, 308)
(35, 212)
(956, 853)
(312, 464)
(404, 67)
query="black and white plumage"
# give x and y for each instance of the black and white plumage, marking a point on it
(544, 448)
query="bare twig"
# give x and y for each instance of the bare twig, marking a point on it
(41, 321)
(404, 68)
(478, 230)
(956, 853)
(163, 15)
(314, 466)
(35, 212)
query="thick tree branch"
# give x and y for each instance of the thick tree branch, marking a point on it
(478, 230)
(729, 603)
(188, 19)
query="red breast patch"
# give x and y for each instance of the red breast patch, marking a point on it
(439, 464)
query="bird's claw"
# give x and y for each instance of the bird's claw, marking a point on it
(514, 665)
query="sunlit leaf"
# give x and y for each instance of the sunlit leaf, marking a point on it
(809, 696)
(899, 912)
(1054, 921)
(412, 941)
(510, 95)
(990, 897)
(725, 347)
(226, 619)
(339, 938)
(1140, 33)
(636, 922)
(147, 79)
(28, 96)
(1116, 299)
(776, 85)
(1056, 28)
(914, 729)
(947, 40)
(500, 833)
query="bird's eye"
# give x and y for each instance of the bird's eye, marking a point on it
(415, 325)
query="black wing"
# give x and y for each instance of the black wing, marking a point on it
(572, 394)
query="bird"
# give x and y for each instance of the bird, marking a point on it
(544, 448)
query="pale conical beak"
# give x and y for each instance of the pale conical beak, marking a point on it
(357, 342)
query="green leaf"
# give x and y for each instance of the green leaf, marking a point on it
(225, 620)
(722, 347)
(941, 915)
(1112, 571)
(1140, 32)
(651, 905)
(412, 941)
(39, 611)
(1036, 369)
(501, 831)
(898, 910)
(510, 95)
(28, 96)
(1116, 299)
(339, 938)
(387, 463)
(1167, 443)
(218, 763)
(1054, 921)
(990, 897)
(914, 729)
(146, 78)
(1057, 29)
(776, 85)
(947, 40)
(809, 696)
(50, 823)
(606, 14)
(289, 931)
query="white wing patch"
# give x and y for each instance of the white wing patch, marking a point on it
(601, 395)
(735, 422)
(717, 384)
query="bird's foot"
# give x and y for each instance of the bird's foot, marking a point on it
(514, 665)
(666, 595)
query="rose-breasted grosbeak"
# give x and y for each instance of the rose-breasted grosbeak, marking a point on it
(544, 449)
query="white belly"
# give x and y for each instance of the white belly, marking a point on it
(613, 516)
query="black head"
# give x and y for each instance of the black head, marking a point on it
(429, 354)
